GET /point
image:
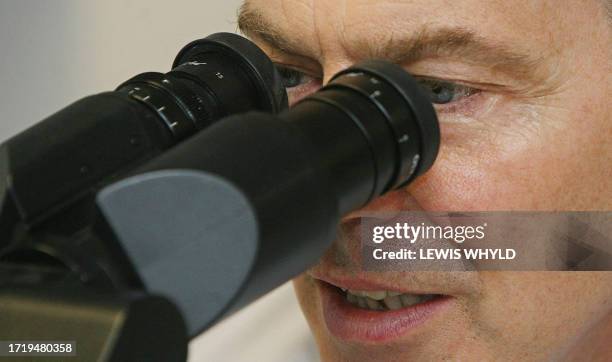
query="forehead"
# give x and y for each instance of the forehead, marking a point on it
(320, 26)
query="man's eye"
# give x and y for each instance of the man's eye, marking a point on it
(442, 92)
(292, 78)
(298, 84)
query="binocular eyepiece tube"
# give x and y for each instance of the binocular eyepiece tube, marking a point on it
(285, 180)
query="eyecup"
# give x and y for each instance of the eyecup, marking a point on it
(256, 63)
(418, 102)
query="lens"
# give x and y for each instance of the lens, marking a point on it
(374, 130)
(211, 78)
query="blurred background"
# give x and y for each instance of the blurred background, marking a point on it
(55, 52)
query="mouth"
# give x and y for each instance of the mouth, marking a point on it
(383, 300)
(369, 313)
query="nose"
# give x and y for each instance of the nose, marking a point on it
(331, 68)
(386, 206)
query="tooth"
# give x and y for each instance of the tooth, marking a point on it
(377, 295)
(393, 294)
(373, 304)
(426, 298)
(359, 293)
(361, 301)
(373, 294)
(351, 298)
(408, 300)
(393, 302)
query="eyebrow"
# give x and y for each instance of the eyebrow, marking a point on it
(459, 43)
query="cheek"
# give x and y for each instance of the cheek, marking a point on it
(306, 292)
(537, 163)
(539, 303)
(482, 178)
(296, 94)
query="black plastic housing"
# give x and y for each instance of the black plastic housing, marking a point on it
(255, 200)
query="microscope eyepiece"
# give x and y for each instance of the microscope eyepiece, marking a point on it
(122, 192)
(373, 127)
(409, 113)
(211, 78)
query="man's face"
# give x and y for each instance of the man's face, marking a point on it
(522, 91)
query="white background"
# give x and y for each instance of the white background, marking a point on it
(54, 52)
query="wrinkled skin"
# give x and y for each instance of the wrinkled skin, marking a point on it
(522, 138)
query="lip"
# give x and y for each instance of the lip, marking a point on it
(352, 324)
(362, 282)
